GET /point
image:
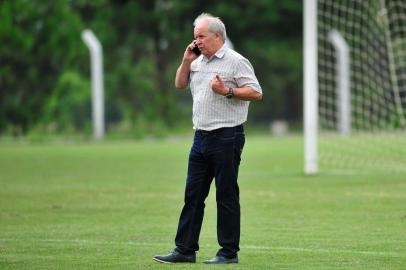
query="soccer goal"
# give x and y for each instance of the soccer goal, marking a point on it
(355, 85)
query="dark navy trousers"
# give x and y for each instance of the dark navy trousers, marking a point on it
(214, 155)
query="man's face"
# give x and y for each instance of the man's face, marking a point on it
(208, 42)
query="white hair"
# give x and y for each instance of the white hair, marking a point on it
(215, 25)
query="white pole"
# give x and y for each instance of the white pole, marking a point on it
(343, 82)
(96, 58)
(310, 86)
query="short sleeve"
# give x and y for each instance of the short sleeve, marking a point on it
(245, 75)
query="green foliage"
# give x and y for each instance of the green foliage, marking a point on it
(37, 43)
(143, 41)
(68, 107)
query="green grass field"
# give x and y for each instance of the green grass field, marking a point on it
(114, 205)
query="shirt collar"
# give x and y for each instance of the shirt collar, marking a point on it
(219, 54)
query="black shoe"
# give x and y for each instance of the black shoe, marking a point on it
(221, 260)
(175, 257)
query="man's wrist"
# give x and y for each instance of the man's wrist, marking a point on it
(186, 62)
(230, 92)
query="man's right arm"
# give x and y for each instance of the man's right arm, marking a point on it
(183, 72)
(182, 75)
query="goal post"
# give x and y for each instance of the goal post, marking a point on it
(96, 61)
(343, 82)
(354, 85)
(310, 86)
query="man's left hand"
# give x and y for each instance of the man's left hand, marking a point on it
(218, 85)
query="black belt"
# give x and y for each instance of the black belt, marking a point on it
(239, 128)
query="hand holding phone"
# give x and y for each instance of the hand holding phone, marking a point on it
(196, 49)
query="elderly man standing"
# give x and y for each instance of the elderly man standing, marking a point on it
(222, 83)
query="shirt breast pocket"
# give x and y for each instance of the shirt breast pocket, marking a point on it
(226, 76)
(196, 76)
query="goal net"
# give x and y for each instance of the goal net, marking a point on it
(361, 65)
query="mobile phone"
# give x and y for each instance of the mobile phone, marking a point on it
(196, 50)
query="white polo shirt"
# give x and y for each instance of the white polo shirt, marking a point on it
(211, 110)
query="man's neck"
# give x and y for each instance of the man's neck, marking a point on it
(218, 48)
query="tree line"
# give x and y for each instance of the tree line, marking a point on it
(45, 73)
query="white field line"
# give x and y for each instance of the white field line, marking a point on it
(249, 247)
